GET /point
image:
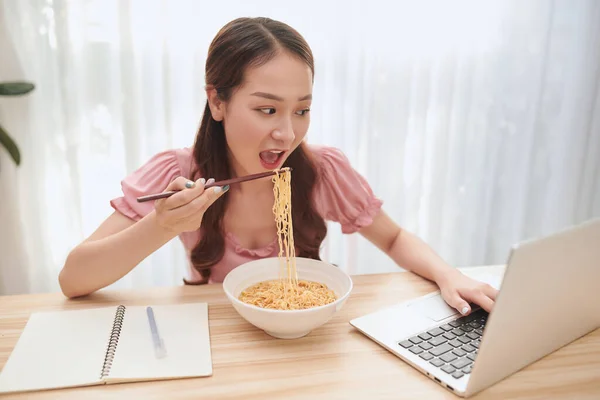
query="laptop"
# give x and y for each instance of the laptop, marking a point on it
(548, 298)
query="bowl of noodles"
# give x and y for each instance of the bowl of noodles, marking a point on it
(284, 307)
(286, 296)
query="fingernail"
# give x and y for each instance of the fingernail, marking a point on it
(465, 310)
(202, 181)
(225, 188)
(217, 189)
(211, 180)
(189, 184)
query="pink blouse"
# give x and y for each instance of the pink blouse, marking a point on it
(342, 195)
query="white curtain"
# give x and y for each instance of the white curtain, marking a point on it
(477, 123)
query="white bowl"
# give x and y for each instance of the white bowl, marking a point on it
(287, 324)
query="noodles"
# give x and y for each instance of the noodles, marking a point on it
(282, 208)
(288, 292)
(275, 295)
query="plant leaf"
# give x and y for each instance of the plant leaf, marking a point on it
(15, 88)
(10, 146)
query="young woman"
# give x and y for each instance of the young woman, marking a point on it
(259, 78)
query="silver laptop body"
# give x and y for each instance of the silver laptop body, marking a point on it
(550, 296)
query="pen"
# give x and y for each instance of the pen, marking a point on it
(159, 346)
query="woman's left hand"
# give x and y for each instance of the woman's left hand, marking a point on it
(458, 290)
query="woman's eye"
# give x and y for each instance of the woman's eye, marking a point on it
(270, 111)
(303, 112)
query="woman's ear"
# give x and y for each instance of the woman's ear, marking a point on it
(217, 107)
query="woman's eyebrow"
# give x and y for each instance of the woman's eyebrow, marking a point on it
(271, 96)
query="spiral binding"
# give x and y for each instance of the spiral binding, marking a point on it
(113, 341)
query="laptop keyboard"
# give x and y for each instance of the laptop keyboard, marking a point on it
(451, 347)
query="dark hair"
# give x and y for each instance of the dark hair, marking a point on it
(244, 43)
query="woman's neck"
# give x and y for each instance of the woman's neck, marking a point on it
(256, 187)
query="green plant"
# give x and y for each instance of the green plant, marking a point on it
(13, 89)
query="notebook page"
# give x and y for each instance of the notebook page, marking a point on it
(184, 330)
(59, 349)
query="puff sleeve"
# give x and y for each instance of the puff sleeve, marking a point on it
(342, 194)
(152, 177)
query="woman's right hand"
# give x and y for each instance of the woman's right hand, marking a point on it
(183, 211)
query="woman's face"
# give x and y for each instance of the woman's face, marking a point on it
(268, 115)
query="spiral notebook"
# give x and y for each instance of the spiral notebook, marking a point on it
(108, 345)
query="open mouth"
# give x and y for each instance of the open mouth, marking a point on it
(271, 159)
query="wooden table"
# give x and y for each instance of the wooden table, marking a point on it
(333, 362)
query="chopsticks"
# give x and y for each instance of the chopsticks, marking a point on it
(220, 183)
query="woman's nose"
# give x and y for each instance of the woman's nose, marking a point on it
(285, 133)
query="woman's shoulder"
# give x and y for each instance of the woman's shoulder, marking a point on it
(153, 176)
(342, 194)
(183, 157)
(323, 154)
(174, 160)
(333, 164)
(161, 168)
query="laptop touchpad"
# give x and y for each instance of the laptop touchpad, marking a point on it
(433, 307)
